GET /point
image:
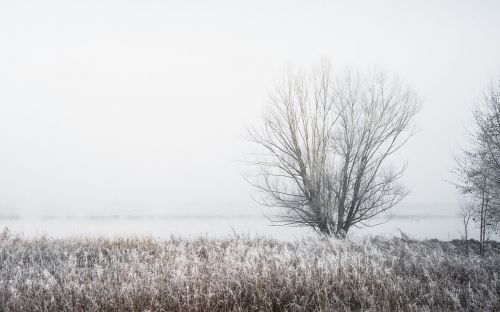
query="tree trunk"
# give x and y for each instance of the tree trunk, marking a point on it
(482, 225)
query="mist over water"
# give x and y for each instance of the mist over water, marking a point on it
(417, 221)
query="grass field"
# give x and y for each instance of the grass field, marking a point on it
(245, 274)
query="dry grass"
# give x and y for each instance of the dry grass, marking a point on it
(243, 274)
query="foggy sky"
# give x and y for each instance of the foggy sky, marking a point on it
(141, 106)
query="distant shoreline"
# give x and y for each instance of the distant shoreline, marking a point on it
(194, 216)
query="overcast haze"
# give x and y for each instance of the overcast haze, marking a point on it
(134, 106)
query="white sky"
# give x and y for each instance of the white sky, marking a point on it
(134, 106)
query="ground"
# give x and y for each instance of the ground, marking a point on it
(246, 274)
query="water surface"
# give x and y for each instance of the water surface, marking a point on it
(422, 225)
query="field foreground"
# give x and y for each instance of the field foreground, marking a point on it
(245, 274)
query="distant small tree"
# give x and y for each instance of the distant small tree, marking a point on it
(479, 166)
(466, 214)
(325, 143)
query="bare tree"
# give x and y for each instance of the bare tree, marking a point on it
(466, 213)
(325, 143)
(475, 183)
(479, 166)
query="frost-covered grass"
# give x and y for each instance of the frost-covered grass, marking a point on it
(244, 274)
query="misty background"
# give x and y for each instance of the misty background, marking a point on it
(140, 108)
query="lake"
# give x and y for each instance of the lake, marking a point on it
(417, 223)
